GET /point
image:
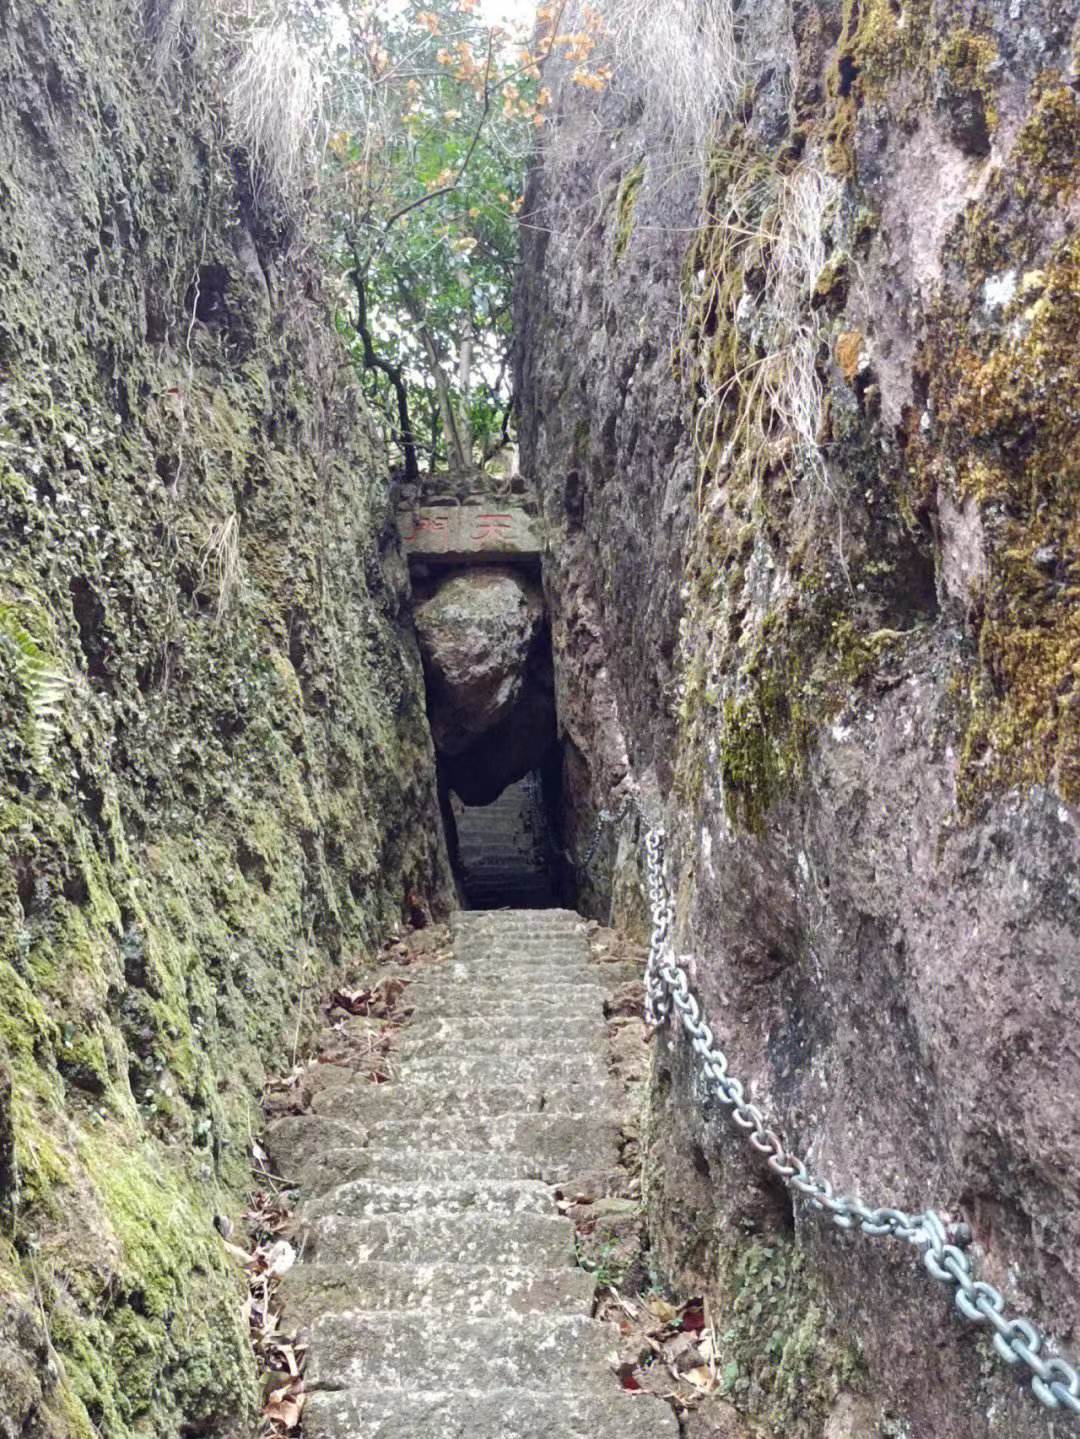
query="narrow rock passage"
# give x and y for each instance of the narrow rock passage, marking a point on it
(502, 852)
(438, 1286)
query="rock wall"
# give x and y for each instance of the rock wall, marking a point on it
(799, 405)
(217, 775)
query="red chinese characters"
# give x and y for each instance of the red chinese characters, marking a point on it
(490, 529)
(435, 524)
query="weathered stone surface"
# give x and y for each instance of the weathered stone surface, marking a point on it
(233, 785)
(434, 1256)
(469, 534)
(477, 629)
(519, 1242)
(517, 1001)
(378, 1198)
(846, 689)
(579, 1070)
(475, 1290)
(327, 1168)
(506, 1414)
(561, 1144)
(508, 1046)
(295, 1140)
(436, 1100)
(563, 1353)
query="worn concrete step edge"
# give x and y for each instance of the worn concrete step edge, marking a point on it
(513, 1413)
(455, 1001)
(389, 1350)
(521, 1241)
(311, 1290)
(324, 1169)
(555, 1044)
(534, 1028)
(514, 1067)
(379, 1198)
(369, 1104)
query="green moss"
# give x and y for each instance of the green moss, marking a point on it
(1047, 150)
(833, 283)
(626, 198)
(808, 661)
(236, 797)
(781, 1359)
(965, 59)
(1004, 389)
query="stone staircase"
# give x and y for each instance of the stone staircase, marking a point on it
(502, 852)
(438, 1289)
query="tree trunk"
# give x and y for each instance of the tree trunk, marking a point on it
(456, 453)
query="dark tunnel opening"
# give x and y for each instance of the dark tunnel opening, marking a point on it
(486, 644)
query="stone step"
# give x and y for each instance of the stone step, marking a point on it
(609, 1413)
(531, 939)
(468, 918)
(554, 987)
(483, 1291)
(521, 1241)
(516, 940)
(561, 1146)
(524, 953)
(495, 855)
(368, 1104)
(522, 966)
(514, 972)
(329, 1167)
(391, 1350)
(513, 1067)
(538, 1030)
(555, 1042)
(432, 1252)
(453, 1001)
(496, 930)
(378, 1199)
(519, 884)
(318, 1152)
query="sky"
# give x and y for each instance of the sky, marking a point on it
(512, 13)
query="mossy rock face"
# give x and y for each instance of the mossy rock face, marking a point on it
(843, 654)
(215, 774)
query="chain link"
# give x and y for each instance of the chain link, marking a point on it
(1054, 1381)
(604, 818)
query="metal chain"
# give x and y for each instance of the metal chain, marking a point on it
(604, 818)
(1054, 1381)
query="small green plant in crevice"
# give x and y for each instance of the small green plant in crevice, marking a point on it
(42, 682)
(625, 204)
(608, 1263)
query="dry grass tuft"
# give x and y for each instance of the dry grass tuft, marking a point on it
(756, 360)
(277, 110)
(220, 563)
(684, 55)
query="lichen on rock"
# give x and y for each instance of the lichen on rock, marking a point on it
(217, 779)
(848, 684)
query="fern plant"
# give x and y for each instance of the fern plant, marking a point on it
(43, 685)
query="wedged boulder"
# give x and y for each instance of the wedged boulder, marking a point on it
(477, 628)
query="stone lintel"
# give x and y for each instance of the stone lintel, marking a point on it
(469, 534)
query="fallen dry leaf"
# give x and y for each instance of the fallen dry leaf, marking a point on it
(702, 1378)
(279, 1258)
(661, 1309)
